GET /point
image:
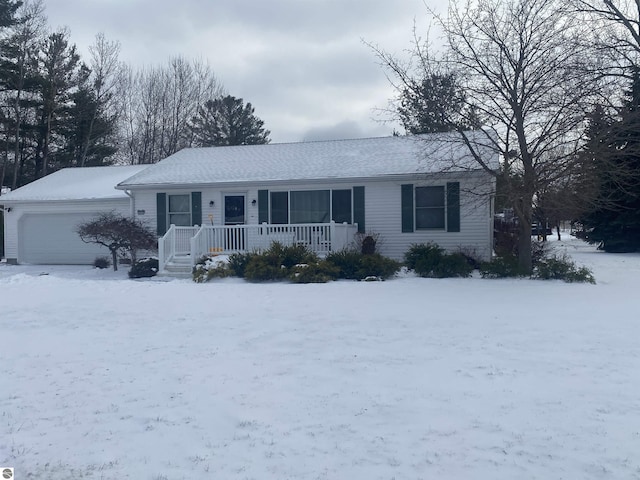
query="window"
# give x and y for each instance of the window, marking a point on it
(179, 210)
(341, 206)
(280, 207)
(430, 207)
(310, 206)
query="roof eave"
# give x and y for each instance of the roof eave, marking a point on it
(392, 177)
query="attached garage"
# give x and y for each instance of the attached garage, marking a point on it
(50, 238)
(41, 218)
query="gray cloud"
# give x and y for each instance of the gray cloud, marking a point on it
(301, 63)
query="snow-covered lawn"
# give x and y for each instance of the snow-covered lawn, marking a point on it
(107, 378)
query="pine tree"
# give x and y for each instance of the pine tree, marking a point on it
(432, 104)
(615, 223)
(226, 121)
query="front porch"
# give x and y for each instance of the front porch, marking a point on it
(181, 247)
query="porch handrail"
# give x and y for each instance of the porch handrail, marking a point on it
(197, 244)
(166, 247)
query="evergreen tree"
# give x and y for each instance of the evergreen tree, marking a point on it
(88, 131)
(615, 223)
(8, 11)
(435, 103)
(226, 121)
(59, 76)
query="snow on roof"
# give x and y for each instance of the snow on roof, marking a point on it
(75, 184)
(335, 159)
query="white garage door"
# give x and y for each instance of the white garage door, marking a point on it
(51, 239)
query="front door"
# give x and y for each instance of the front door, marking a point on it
(234, 216)
(234, 209)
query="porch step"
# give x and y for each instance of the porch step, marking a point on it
(179, 266)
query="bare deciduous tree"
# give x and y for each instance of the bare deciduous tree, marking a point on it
(157, 104)
(524, 76)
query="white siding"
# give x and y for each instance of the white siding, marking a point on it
(44, 233)
(383, 216)
(382, 212)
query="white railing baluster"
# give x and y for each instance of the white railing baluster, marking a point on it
(322, 238)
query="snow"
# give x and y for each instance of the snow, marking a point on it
(85, 183)
(333, 159)
(104, 377)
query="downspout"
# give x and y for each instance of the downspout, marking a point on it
(132, 203)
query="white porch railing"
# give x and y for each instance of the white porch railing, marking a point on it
(177, 241)
(196, 242)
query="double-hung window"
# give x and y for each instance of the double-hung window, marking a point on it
(179, 210)
(430, 207)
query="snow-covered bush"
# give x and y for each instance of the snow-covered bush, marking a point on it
(321, 272)
(276, 262)
(238, 263)
(207, 268)
(146, 267)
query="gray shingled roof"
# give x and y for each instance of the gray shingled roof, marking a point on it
(88, 183)
(336, 159)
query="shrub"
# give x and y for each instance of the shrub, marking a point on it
(276, 262)
(423, 256)
(562, 268)
(210, 267)
(321, 272)
(471, 255)
(451, 265)
(102, 262)
(430, 260)
(146, 267)
(377, 266)
(353, 265)
(238, 263)
(347, 262)
(502, 267)
(264, 267)
(292, 255)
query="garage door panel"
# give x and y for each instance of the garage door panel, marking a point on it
(52, 239)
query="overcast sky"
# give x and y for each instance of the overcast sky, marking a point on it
(301, 63)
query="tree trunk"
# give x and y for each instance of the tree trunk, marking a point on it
(114, 259)
(524, 247)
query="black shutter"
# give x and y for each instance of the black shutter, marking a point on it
(358, 208)
(453, 207)
(196, 208)
(161, 213)
(263, 206)
(407, 208)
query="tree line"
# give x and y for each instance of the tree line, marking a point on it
(58, 110)
(555, 87)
